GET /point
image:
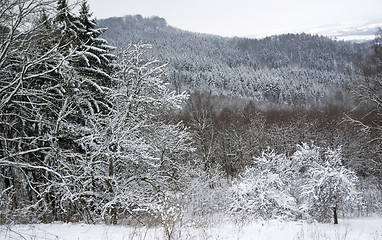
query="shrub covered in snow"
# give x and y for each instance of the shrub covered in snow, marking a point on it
(262, 191)
(312, 183)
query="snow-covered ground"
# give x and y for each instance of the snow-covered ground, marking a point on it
(348, 229)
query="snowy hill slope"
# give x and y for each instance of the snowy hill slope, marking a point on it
(291, 68)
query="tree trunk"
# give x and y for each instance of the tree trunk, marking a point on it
(335, 215)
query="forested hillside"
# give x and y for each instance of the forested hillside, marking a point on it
(293, 69)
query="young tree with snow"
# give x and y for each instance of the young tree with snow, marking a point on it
(330, 187)
(135, 156)
(200, 113)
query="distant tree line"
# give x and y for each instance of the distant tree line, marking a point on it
(294, 69)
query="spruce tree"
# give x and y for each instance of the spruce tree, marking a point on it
(97, 57)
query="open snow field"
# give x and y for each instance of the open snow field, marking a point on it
(348, 229)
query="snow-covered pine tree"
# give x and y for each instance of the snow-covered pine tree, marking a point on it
(84, 104)
(97, 54)
(31, 109)
(91, 56)
(46, 106)
(68, 25)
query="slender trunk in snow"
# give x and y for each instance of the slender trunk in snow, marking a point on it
(335, 215)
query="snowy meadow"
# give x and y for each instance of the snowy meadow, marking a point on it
(349, 229)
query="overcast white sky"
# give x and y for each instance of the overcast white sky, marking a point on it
(244, 17)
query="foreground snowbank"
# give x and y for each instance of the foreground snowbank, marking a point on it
(348, 229)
